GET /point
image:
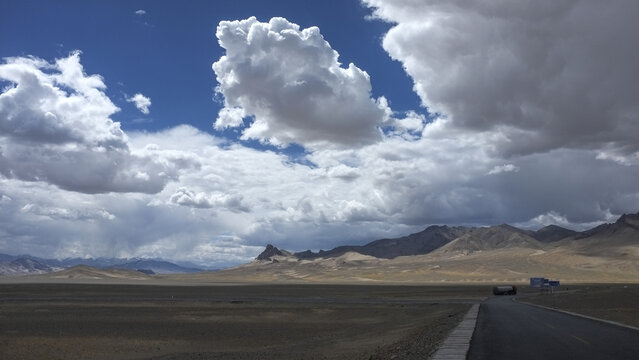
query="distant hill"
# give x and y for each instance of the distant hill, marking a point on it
(419, 243)
(30, 265)
(552, 233)
(85, 272)
(470, 239)
(157, 266)
(626, 223)
(491, 238)
(443, 238)
(23, 266)
(618, 239)
(27, 265)
(606, 253)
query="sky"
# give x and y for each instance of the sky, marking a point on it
(200, 131)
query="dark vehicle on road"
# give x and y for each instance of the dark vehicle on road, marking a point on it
(505, 290)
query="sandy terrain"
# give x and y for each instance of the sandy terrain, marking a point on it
(73, 321)
(510, 265)
(617, 302)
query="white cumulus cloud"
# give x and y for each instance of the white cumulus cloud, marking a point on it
(229, 117)
(55, 127)
(185, 197)
(141, 102)
(289, 80)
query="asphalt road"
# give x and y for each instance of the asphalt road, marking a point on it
(510, 330)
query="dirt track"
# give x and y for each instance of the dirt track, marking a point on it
(227, 322)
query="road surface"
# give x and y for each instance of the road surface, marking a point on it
(510, 330)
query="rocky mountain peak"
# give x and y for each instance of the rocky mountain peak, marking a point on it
(552, 233)
(631, 220)
(269, 252)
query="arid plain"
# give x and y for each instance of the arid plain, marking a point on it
(108, 321)
(116, 319)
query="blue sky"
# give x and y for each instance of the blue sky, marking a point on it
(202, 130)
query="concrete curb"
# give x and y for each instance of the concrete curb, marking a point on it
(579, 315)
(456, 346)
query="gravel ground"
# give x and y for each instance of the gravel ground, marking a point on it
(616, 302)
(227, 322)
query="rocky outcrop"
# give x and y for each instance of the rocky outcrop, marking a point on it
(269, 252)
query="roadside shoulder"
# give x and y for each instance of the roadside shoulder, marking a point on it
(458, 342)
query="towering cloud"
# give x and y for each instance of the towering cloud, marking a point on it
(546, 75)
(292, 86)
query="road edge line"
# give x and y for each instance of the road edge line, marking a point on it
(457, 344)
(580, 315)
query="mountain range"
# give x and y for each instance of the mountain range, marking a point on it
(441, 254)
(609, 252)
(30, 265)
(603, 238)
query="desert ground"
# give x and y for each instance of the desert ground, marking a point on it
(117, 321)
(110, 320)
(614, 302)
